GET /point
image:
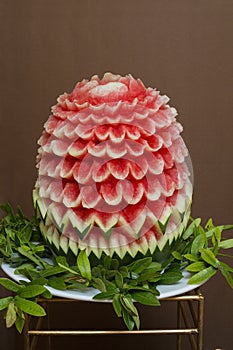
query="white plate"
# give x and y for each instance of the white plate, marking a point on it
(166, 291)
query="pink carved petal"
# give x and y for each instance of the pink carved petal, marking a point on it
(82, 171)
(71, 195)
(52, 124)
(59, 148)
(167, 157)
(50, 165)
(102, 132)
(56, 191)
(100, 172)
(178, 150)
(164, 117)
(97, 150)
(132, 132)
(78, 148)
(167, 184)
(153, 143)
(136, 170)
(132, 191)
(111, 192)
(84, 131)
(67, 167)
(155, 163)
(90, 196)
(115, 150)
(153, 188)
(43, 184)
(118, 168)
(134, 148)
(117, 133)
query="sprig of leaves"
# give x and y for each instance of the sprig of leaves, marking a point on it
(125, 282)
(204, 253)
(23, 302)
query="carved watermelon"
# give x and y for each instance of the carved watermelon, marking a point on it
(113, 172)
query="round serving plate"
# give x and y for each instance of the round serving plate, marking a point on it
(166, 291)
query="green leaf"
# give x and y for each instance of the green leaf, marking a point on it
(227, 227)
(76, 285)
(139, 265)
(30, 256)
(191, 257)
(198, 243)
(97, 272)
(209, 257)
(225, 272)
(23, 268)
(4, 302)
(98, 284)
(61, 261)
(170, 277)
(46, 294)
(148, 275)
(127, 303)
(129, 322)
(10, 233)
(57, 283)
(145, 298)
(19, 324)
(189, 231)
(38, 281)
(53, 270)
(124, 271)
(31, 291)
(177, 255)
(209, 224)
(107, 262)
(10, 285)
(119, 279)
(196, 266)
(155, 266)
(202, 276)
(105, 295)
(226, 267)
(28, 306)
(110, 286)
(218, 234)
(226, 244)
(11, 315)
(137, 321)
(115, 264)
(8, 210)
(117, 305)
(84, 265)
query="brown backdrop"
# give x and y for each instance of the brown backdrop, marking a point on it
(182, 47)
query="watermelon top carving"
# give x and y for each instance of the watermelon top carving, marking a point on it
(113, 172)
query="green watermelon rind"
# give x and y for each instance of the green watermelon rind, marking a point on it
(52, 233)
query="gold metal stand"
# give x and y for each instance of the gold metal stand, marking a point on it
(190, 315)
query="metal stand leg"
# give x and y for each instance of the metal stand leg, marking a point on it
(190, 314)
(200, 322)
(179, 324)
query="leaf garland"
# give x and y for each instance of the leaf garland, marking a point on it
(124, 282)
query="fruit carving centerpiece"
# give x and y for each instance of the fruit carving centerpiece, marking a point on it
(113, 174)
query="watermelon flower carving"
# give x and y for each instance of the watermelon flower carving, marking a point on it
(113, 173)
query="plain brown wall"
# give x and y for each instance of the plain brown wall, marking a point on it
(182, 47)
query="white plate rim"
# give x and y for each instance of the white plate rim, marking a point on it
(166, 291)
